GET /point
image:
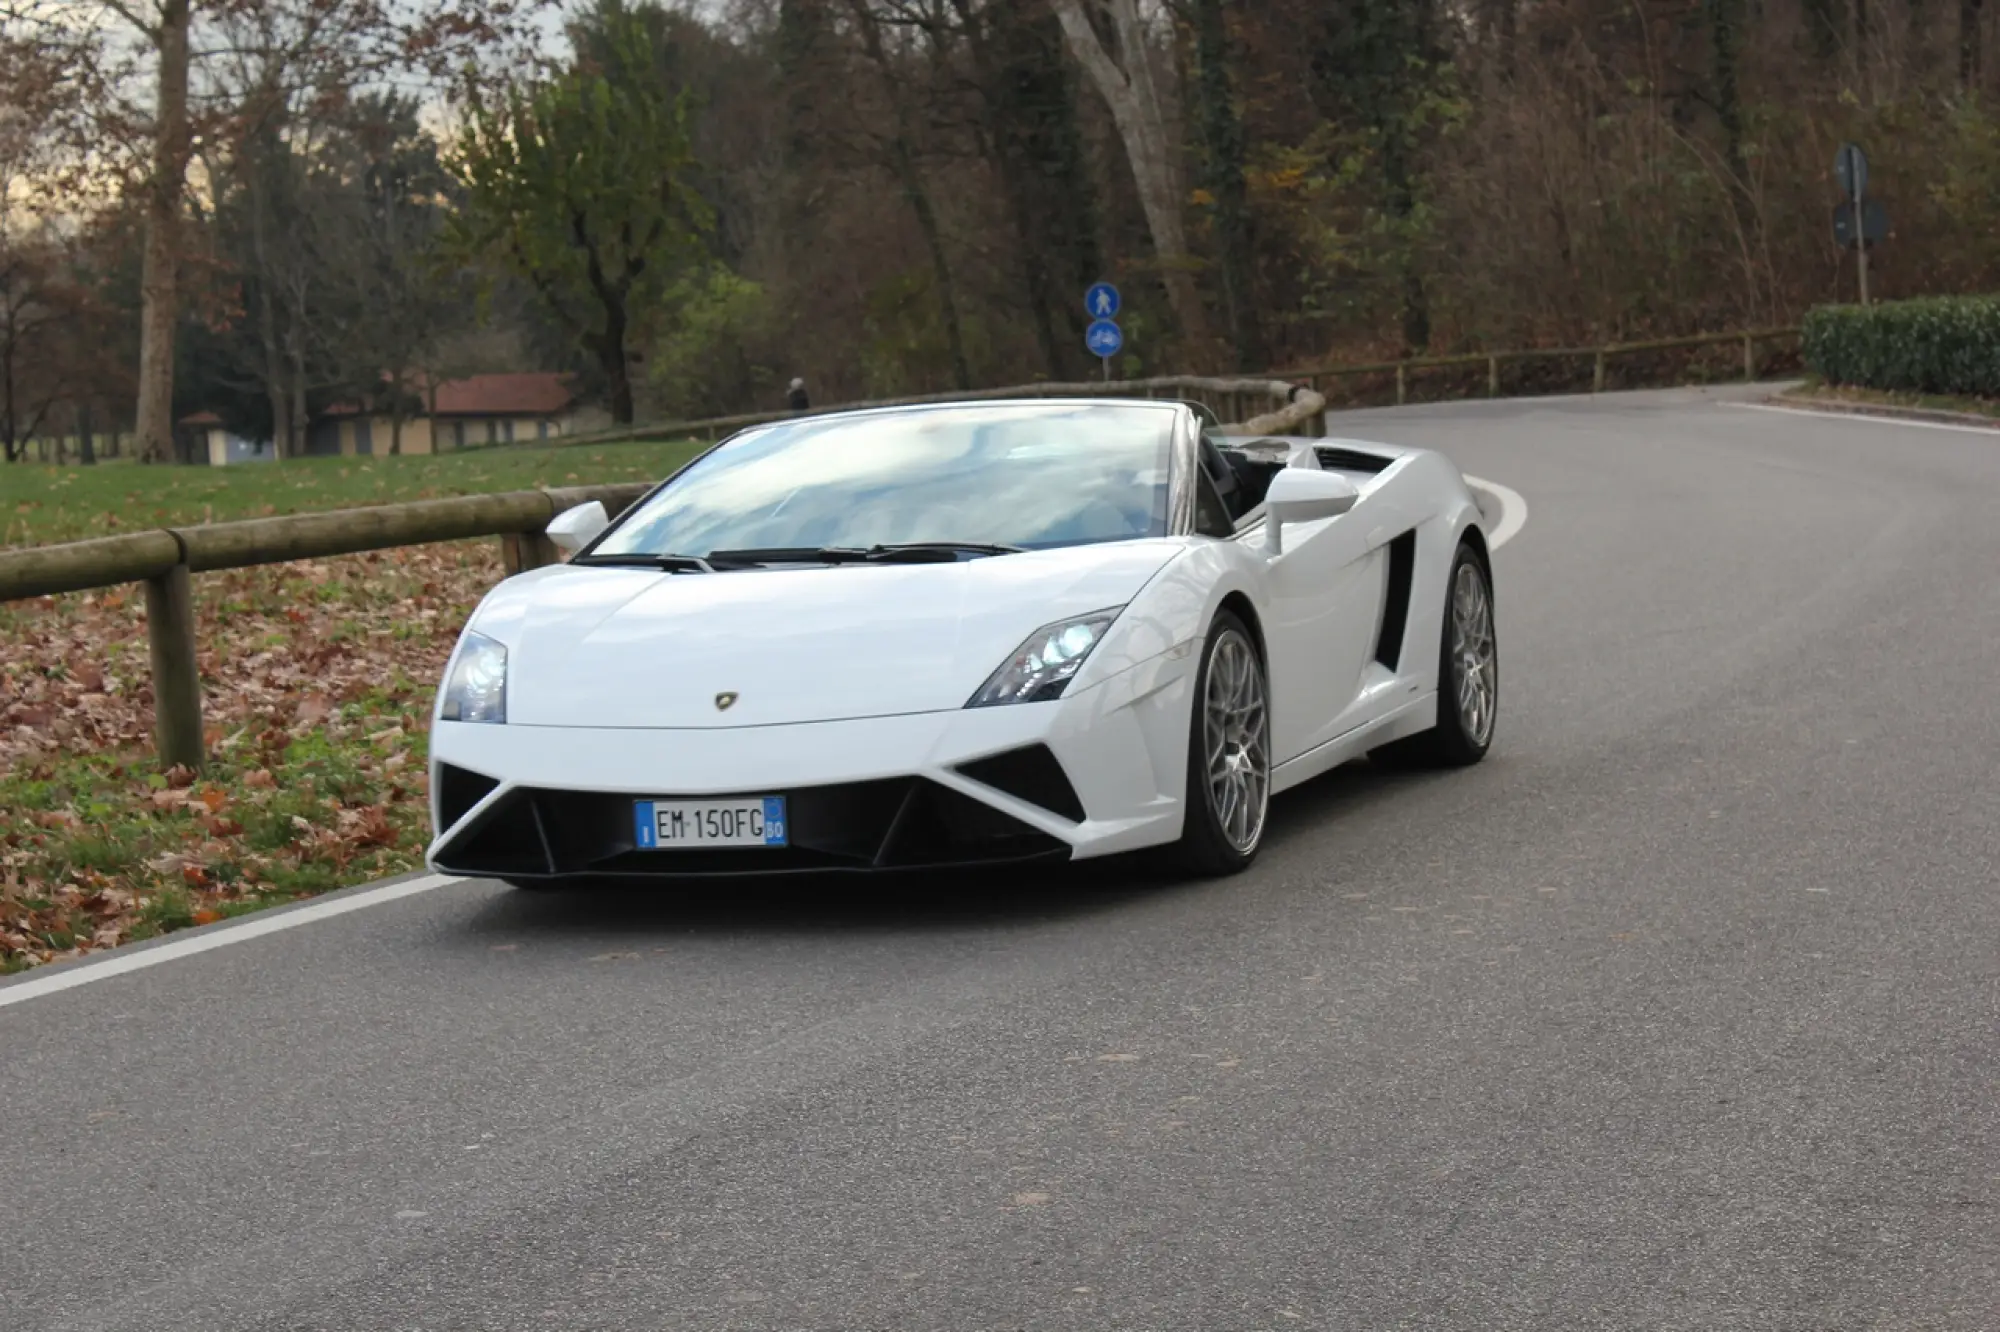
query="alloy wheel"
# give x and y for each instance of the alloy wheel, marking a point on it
(1475, 667)
(1236, 729)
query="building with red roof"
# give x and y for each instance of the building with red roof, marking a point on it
(462, 413)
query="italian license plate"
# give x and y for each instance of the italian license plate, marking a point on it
(669, 825)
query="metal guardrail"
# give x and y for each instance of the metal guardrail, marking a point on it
(165, 561)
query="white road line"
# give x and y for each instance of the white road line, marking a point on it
(1513, 511)
(1868, 418)
(249, 927)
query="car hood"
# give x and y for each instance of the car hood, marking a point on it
(594, 646)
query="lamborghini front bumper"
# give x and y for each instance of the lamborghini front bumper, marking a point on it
(1092, 775)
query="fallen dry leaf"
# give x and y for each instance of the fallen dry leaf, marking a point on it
(284, 649)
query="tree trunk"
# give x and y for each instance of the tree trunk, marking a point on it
(1726, 18)
(1135, 106)
(1969, 44)
(295, 424)
(396, 415)
(1030, 101)
(904, 163)
(612, 360)
(1824, 21)
(268, 335)
(10, 427)
(159, 309)
(1222, 131)
(86, 446)
(274, 374)
(1401, 180)
(297, 334)
(803, 42)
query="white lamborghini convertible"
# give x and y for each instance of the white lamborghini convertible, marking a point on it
(978, 633)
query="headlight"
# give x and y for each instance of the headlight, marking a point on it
(1041, 668)
(476, 690)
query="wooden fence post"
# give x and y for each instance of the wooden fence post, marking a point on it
(1597, 375)
(176, 679)
(1402, 385)
(1749, 358)
(1493, 376)
(522, 551)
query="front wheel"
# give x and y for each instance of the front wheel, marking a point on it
(1468, 676)
(1229, 754)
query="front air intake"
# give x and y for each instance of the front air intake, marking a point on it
(1030, 773)
(459, 789)
(894, 823)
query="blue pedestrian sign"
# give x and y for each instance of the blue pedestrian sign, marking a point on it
(1101, 301)
(1104, 338)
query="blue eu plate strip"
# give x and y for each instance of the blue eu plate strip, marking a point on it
(649, 832)
(774, 821)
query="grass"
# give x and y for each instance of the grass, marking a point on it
(40, 503)
(1815, 390)
(317, 682)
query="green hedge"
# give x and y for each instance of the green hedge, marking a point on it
(1938, 344)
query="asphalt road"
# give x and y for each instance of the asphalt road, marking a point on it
(1680, 1012)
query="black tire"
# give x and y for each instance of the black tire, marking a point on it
(1206, 847)
(1459, 738)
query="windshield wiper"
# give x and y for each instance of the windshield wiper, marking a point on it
(925, 548)
(791, 555)
(913, 552)
(641, 560)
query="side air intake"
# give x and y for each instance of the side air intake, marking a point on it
(1396, 600)
(1335, 458)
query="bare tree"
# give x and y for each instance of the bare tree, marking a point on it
(899, 145)
(159, 81)
(1127, 84)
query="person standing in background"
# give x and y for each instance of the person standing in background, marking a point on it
(797, 400)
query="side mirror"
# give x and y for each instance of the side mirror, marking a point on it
(573, 529)
(1304, 495)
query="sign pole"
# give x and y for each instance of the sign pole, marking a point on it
(1850, 165)
(1860, 249)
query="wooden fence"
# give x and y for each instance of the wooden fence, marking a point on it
(166, 560)
(1599, 358)
(1232, 400)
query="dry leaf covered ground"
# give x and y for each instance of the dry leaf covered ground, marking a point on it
(318, 679)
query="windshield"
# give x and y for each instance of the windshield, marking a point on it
(1033, 475)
